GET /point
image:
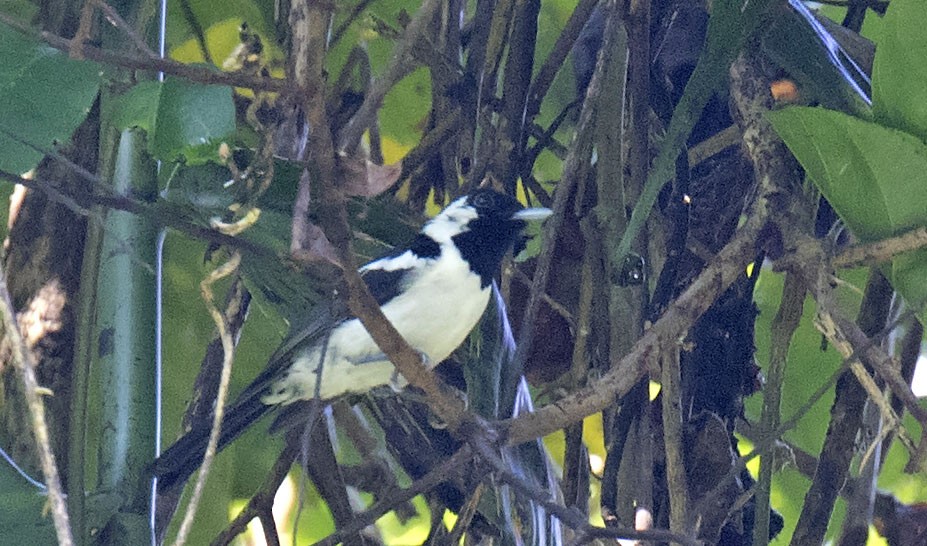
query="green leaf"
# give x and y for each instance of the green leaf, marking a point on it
(192, 119)
(44, 96)
(134, 108)
(24, 10)
(405, 106)
(21, 504)
(907, 274)
(899, 71)
(872, 175)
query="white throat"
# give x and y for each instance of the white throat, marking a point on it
(452, 221)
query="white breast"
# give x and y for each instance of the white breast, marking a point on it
(434, 316)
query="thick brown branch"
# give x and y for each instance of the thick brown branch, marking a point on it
(727, 266)
(309, 28)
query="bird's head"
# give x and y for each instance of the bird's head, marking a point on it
(486, 211)
(483, 225)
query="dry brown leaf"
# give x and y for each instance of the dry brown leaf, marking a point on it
(363, 178)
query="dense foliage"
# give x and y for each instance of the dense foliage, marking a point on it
(719, 326)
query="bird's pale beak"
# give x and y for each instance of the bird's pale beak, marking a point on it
(532, 214)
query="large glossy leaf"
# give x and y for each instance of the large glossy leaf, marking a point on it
(191, 120)
(184, 120)
(899, 72)
(873, 176)
(44, 96)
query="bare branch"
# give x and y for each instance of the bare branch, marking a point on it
(435, 476)
(881, 251)
(727, 266)
(263, 500)
(173, 68)
(398, 67)
(23, 361)
(569, 516)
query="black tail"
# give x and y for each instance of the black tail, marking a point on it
(180, 460)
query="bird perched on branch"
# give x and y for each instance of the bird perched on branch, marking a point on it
(433, 291)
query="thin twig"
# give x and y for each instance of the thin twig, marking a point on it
(435, 476)
(558, 307)
(671, 400)
(191, 72)
(569, 516)
(343, 27)
(187, 10)
(22, 359)
(113, 16)
(558, 54)
(228, 348)
(262, 501)
(398, 67)
(783, 328)
(159, 216)
(811, 251)
(837, 338)
(881, 251)
(576, 162)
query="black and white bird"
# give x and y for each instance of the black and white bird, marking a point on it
(433, 291)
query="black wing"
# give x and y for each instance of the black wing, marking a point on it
(182, 458)
(383, 285)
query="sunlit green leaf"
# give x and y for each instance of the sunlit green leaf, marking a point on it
(899, 72)
(873, 176)
(207, 13)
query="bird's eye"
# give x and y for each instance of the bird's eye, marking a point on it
(484, 201)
